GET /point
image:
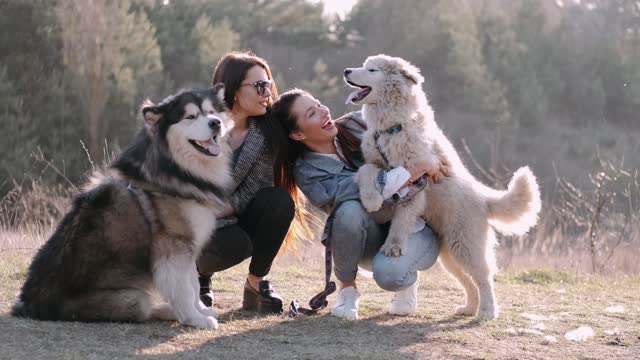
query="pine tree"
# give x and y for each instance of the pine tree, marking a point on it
(19, 137)
(324, 86)
(108, 51)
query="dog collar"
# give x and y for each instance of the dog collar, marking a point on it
(390, 131)
(394, 129)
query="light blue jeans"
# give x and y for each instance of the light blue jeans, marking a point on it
(356, 239)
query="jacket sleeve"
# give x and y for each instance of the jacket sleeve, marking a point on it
(260, 176)
(309, 184)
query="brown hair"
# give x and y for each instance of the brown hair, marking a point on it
(292, 150)
(231, 70)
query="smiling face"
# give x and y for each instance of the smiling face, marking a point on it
(252, 97)
(313, 121)
(380, 77)
(190, 123)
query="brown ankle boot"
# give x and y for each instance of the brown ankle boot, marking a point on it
(266, 300)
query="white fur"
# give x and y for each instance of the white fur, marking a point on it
(187, 156)
(174, 278)
(201, 216)
(460, 209)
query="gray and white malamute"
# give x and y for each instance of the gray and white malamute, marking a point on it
(136, 230)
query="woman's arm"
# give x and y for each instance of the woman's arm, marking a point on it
(309, 183)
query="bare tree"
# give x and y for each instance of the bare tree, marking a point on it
(606, 213)
(106, 48)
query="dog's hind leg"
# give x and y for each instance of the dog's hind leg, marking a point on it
(108, 305)
(482, 268)
(163, 311)
(174, 278)
(470, 289)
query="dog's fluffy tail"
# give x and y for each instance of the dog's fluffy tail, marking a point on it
(516, 210)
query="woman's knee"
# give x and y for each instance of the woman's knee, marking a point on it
(229, 246)
(391, 275)
(275, 201)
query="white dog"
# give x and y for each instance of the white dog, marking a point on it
(402, 131)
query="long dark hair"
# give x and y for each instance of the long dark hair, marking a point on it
(286, 158)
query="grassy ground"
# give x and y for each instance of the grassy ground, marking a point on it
(566, 301)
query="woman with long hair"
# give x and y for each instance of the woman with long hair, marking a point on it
(320, 157)
(259, 219)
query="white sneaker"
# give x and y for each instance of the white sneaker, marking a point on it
(405, 302)
(347, 303)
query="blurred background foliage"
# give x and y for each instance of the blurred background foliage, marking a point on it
(553, 84)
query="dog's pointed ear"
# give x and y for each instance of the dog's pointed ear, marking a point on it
(218, 89)
(150, 112)
(411, 73)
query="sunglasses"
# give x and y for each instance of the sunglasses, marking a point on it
(261, 86)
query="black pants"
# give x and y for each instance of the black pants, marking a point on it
(258, 234)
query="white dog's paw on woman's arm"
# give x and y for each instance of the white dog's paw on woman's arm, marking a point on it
(370, 196)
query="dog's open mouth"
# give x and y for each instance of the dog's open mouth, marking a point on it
(209, 147)
(359, 94)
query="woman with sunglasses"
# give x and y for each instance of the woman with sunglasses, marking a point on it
(258, 220)
(321, 158)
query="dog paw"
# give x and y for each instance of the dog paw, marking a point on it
(487, 314)
(465, 311)
(209, 312)
(391, 249)
(372, 203)
(203, 322)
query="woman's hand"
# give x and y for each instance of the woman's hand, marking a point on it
(228, 211)
(433, 170)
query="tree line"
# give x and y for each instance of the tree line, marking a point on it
(76, 70)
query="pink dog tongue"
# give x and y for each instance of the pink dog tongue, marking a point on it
(353, 96)
(212, 146)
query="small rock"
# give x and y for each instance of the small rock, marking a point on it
(534, 317)
(540, 326)
(583, 333)
(612, 332)
(548, 340)
(618, 309)
(529, 331)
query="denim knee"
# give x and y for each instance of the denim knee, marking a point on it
(397, 273)
(390, 276)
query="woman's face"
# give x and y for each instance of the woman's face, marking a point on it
(313, 121)
(250, 98)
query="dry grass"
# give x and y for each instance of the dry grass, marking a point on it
(565, 297)
(568, 300)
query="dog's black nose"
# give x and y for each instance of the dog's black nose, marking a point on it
(214, 124)
(347, 71)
